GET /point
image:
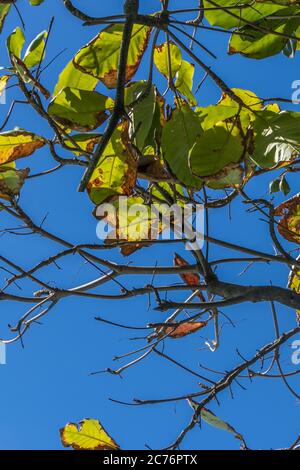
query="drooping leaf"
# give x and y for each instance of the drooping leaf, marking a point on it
(210, 418)
(142, 114)
(178, 137)
(289, 224)
(35, 52)
(116, 171)
(100, 58)
(184, 329)
(18, 144)
(11, 181)
(214, 150)
(81, 110)
(88, 435)
(184, 81)
(168, 59)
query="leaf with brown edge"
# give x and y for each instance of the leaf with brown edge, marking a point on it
(11, 181)
(192, 279)
(88, 435)
(115, 173)
(289, 225)
(100, 58)
(18, 144)
(184, 329)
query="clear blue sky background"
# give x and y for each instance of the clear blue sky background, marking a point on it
(47, 384)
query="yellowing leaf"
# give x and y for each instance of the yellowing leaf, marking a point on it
(15, 42)
(115, 173)
(184, 81)
(86, 142)
(289, 225)
(11, 181)
(4, 9)
(36, 51)
(100, 58)
(3, 82)
(89, 435)
(168, 59)
(18, 144)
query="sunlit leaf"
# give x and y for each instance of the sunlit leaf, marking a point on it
(73, 78)
(88, 435)
(168, 59)
(100, 58)
(115, 173)
(15, 42)
(36, 51)
(4, 9)
(18, 144)
(184, 81)
(81, 110)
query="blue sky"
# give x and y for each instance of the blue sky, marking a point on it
(47, 384)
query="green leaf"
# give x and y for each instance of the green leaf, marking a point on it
(100, 58)
(4, 9)
(284, 186)
(234, 17)
(277, 138)
(35, 52)
(184, 81)
(15, 42)
(11, 181)
(274, 186)
(115, 173)
(18, 144)
(81, 110)
(214, 149)
(178, 137)
(168, 59)
(261, 44)
(229, 109)
(230, 176)
(142, 114)
(210, 418)
(73, 78)
(35, 3)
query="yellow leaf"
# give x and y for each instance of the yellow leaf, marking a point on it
(18, 144)
(89, 435)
